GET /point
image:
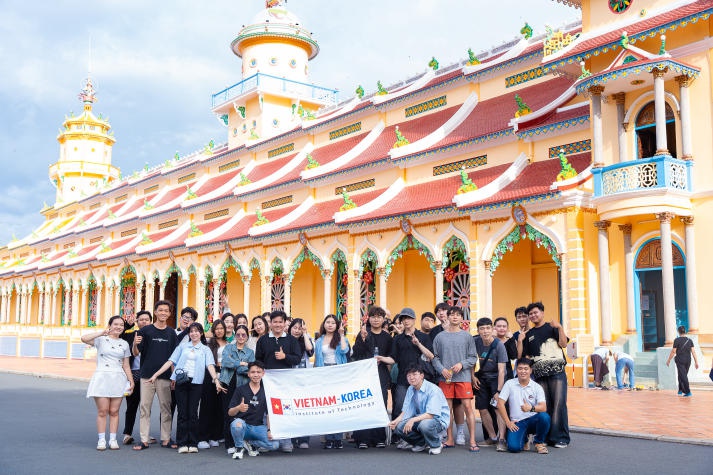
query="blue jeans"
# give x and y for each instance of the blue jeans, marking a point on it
(426, 432)
(555, 387)
(620, 365)
(256, 435)
(539, 424)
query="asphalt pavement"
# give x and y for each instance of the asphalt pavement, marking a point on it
(48, 427)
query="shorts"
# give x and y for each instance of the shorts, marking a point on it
(456, 390)
(488, 387)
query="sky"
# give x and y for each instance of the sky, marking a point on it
(156, 63)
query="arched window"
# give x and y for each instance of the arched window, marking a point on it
(646, 131)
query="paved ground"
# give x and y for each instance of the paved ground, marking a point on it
(644, 414)
(48, 427)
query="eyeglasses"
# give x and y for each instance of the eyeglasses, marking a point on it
(240, 335)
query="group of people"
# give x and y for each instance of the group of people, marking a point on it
(215, 384)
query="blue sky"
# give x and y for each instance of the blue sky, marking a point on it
(155, 65)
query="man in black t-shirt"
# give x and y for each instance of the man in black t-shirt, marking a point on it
(374, 343)
(249, 406)
(278, 349)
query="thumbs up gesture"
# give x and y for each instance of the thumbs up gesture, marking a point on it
(280, 355)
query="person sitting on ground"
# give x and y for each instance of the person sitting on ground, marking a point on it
(528, 410)
(251, 426)
(425, 414)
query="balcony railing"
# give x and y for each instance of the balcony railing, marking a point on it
(661, 171)
(270, 83)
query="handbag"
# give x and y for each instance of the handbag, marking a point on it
(181, 376)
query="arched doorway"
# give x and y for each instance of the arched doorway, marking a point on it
(651, 329)
(307, 290)
(456, 275)
(411, 280)
(646, 131)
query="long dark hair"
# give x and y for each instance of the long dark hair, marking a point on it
(214, 342)
(336, 337)
(200, 329)
(301, 341)
(252, 324)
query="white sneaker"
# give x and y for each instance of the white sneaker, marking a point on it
(249, 448)
(418, 448)
(460, 438)
(204, 445)
(212, 443)
(231, 450)
(192, 450)
(113, 444)
(101, 444)
(183, 450)
(239, 454)
(561, 445)
(403, 445)
(287, 448)
(435, 450)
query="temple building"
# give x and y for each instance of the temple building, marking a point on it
(573, 168)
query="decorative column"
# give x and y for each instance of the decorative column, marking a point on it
(75, 305)
(117, 299)
(53, 307)
(488, 310)
(67, 299)
(184, 293)
(267, 293)
(354, 304)
(18, 303)
(564, 278)
(629, 279)
(620, 114)
(25, 303)
(137, 305)
(597, 130)
(216, 298)
(660, 113)
(439, 281)
(327, 276)
(200, 301)
(669, 296)
(287, 304)
(685, 113)
(149, 295)
(382, 287)
(604, 284)
(101, 320)
(161, 290)
(691, 284)
(83, 317)
(246, 294)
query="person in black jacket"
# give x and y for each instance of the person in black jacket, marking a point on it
(143, 318)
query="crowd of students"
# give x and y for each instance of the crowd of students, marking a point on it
(437, 377)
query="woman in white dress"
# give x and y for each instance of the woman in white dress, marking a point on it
(112, 379)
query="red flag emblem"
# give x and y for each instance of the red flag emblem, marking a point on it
(276, 406)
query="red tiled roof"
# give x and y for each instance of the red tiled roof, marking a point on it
(173, 194)
(211, 225)
(555, 117)
(327, 153)
(268, 168)
(216, 182)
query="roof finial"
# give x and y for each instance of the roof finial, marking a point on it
(273, 3)
(88, 94)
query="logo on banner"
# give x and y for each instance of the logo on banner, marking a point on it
(284, 406)
(279, 407)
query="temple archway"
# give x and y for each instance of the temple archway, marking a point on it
(410, 270)
(307, 289)
(231, 273)
(456, 275)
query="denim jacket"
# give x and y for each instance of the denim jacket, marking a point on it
(204, 358)
(340, 356)
(232, 357)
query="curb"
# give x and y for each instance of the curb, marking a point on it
(45, 375)
(641, 435)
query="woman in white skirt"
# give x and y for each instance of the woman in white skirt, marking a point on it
(112, 379)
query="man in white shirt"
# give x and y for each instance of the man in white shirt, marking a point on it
(624, 362)
(528, 409)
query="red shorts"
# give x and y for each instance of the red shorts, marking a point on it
(456, 390)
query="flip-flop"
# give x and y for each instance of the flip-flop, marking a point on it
(152, 440)
(446, 446)
(141, 446)
(169, 445)
(474, 449)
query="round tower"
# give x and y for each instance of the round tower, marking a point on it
(85, 144)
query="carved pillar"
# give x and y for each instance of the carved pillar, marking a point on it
(660, 112)
(83, 317)
(267, 293)
(100, 319)
(18, 304)
(138, 306)
(200, 301)
(53, 307)
(150, 295)
(382, 286)
(161, 290)
(246, 294)
(629, 279)
(75, 305)
(691, 281)
(327, 276)
(184, 292)
(604, 284)
(597, 130)
(117, 300)
(669, 296)
(354, 304)
(620, 114)
(216, 298)
(686, 143)
(67, 305)
(439, 281)
(288, 295)
(488, 290)
(564, 279)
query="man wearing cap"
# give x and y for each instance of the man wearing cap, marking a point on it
(407, 349)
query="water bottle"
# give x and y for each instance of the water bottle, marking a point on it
(376, 351)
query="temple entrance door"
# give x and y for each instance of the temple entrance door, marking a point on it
(170, 293)
(411, 283)
(650, 309)
(307, 295)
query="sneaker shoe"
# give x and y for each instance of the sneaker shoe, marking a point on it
(338, 444)
(688, 395)
(380, 445)
(490, 442)
(502, 446)
(418, 448)
(263, 450)
(113, 444)
(304, 445)
(287, 448)
(183, 450)
(192, 450)
(250, 450)
(329, 444)
(435, 450)
(560, 445)
(101, 444)
(212, 443)
(239, 454)
(403, 445)
(363, 446)
(231, 450)
(460, 438)
(204, 445)
(680, 393)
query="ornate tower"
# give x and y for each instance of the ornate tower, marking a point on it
(85, 144)
(274, 94)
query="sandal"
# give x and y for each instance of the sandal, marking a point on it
(128, 440)
(542, 449)
(141, 446)
(169, 445)
(446, 446)
(474, 449)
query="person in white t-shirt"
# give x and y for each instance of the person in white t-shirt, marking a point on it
(528, 410)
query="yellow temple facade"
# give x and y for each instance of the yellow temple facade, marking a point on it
(572, 168)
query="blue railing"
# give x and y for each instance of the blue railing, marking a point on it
(267, 82)
(662, 171)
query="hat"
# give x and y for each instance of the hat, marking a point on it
(407, 312)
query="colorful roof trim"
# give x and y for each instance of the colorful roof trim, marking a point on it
(635, 69)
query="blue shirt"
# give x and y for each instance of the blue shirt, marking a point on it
(204, 358)
(340, 355)
(430, 400)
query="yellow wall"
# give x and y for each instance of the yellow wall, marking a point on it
(411, 284)
(234, 288)
(307, 297)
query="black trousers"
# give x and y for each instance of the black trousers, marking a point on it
(682, 370)
(188, 396)
(132, 404)
(225, 405)
(210, 418)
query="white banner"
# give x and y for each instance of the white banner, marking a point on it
(331, 399)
